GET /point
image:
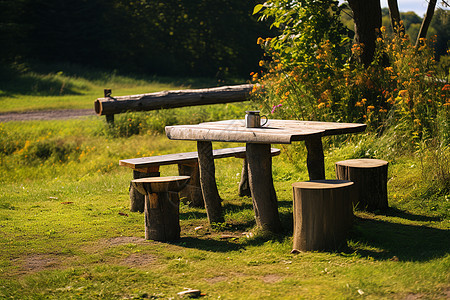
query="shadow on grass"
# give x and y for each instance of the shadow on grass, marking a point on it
(394, 212)
(208, 244)
(386, 240)
(29, 84)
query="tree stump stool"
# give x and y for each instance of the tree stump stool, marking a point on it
(323, 214)
(162, 222)
(137, 200)
(370, 178)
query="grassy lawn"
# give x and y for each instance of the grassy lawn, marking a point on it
(66, 231)
(74, 87)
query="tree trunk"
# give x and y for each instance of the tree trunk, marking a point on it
(426, 21)
(367, 17)
(208, 183)
(265, 203)
(395, 17)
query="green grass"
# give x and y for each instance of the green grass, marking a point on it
(66, 231)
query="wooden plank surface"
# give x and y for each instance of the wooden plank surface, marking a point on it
(329, 128)
(275, 132)
(180, 158)
(263, 135)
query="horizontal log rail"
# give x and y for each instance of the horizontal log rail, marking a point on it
(108, 105)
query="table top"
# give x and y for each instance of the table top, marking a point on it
(274, 132)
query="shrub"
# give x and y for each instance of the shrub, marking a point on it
(319, 81)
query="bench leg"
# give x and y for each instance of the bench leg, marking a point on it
(137, 200)
(192, 192)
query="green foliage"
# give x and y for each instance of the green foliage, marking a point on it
(303, 26)
(317, 80)
(175, 38)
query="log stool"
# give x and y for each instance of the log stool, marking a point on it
(370, 178)
(162, 203)
(323, 214)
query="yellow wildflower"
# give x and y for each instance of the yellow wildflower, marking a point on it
(402, 93)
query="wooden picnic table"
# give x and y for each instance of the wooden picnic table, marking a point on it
(258, 143)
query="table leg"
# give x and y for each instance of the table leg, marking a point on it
(263, 193)
(315, 158)
(208, 182)
(244, 188)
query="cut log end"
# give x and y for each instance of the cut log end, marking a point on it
(98, 107)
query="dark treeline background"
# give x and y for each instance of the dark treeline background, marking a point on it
(211, 38)
(170, 37)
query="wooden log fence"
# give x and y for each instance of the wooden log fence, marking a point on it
(109, 106)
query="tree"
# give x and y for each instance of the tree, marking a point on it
(395, 17)
(426, 21)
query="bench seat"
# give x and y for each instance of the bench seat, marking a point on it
(187, 165)
(182, 158)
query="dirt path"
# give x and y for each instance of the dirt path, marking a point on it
(46, 115)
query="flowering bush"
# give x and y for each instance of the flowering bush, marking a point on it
(400, 89)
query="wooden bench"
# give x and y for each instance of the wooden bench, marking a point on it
(187, 165)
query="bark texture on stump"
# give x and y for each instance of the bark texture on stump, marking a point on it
(161, 206)
(162, 216)
(322, 214)
(370, 178)
(208, 184)
(192, 192)
(137, 200)
(265, 203)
